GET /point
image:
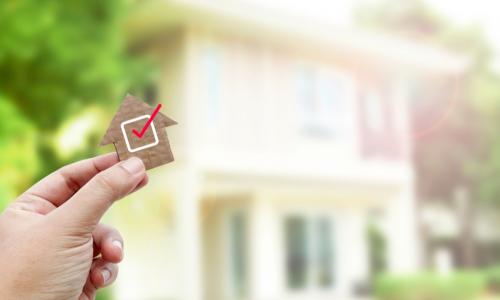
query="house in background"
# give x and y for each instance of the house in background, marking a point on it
(290, 137)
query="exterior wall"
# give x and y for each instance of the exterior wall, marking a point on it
(250, 124)
(252, 118)
(246, 104)
(245, 138)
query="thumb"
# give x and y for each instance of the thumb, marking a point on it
(89, 204)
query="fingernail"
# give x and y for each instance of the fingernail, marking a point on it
(133, 165)
(106, 275)
(118, 244)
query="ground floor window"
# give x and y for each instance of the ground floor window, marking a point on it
(238, 253)
(310, 253)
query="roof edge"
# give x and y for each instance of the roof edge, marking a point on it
(153, 18)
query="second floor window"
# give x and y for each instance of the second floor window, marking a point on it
(322, 103)
(211, 64)
(379, 138)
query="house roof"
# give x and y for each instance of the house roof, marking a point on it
(153, 18)
(132, 106)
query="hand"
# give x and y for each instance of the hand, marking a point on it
(52, 245)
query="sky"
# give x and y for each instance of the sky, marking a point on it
(484, 13)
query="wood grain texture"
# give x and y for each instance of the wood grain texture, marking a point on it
(153, 156)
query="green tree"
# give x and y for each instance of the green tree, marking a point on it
(464, 152)
(452, 155)
(57, 58)
(16, 156)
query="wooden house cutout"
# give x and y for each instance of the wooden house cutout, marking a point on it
(153, 146)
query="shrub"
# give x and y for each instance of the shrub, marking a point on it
(492, 276)
(429, 286)
(104, 294)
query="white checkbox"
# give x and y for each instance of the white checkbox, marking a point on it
(144, 146)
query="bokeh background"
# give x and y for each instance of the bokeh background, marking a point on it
(325, 149)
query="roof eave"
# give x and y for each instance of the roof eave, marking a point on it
(156, 17)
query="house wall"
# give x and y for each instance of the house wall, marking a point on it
(256, 108)
(246, 115)
(182, 181)
(240, 129)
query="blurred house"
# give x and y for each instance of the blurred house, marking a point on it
(455, 231)
(291, 136)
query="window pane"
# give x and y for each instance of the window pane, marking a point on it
(321, 97)
(374, 114)
(211, 67)
(306, 86)
(379, 137)
(238, 240)
(296, 256)
(325, 253)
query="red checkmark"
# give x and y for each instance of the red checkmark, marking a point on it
(145, 128)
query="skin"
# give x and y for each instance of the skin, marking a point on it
(52, 244)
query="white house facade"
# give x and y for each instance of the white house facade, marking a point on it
(289, 140)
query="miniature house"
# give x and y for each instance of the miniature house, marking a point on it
(152, 146)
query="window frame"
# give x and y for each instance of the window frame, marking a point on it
(315, 124)
(384, 143)
(230, 290)
(212, 66)
(312, 288)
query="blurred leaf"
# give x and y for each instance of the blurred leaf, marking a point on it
(430, 286)
(104, 294)
(465, 149)
(18, 159)
(57, 58)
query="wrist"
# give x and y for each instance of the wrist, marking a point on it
(8, 288)
(6, 292)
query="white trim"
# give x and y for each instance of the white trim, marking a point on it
(126, 137)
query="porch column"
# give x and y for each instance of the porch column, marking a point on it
(265, 250)
(402, 235)
(187, 220)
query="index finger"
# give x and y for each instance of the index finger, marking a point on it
(65, 182)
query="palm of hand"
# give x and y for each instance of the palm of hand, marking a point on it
(52, 244)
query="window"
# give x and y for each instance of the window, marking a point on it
(309, 252)
(374, 112)
(377, 123)
(151, 94)
(296, 245)
(322, 106)
(148, 92)
(238, 254)
(325, 251)
(211, 65)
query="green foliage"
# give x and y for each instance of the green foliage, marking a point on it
(104, 294)
(378, 250)
(457, 286)
(57, 58)
(405, 17)
(18, 161)
(492, 276)
(465, 149)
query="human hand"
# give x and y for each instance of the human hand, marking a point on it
(52, 245)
